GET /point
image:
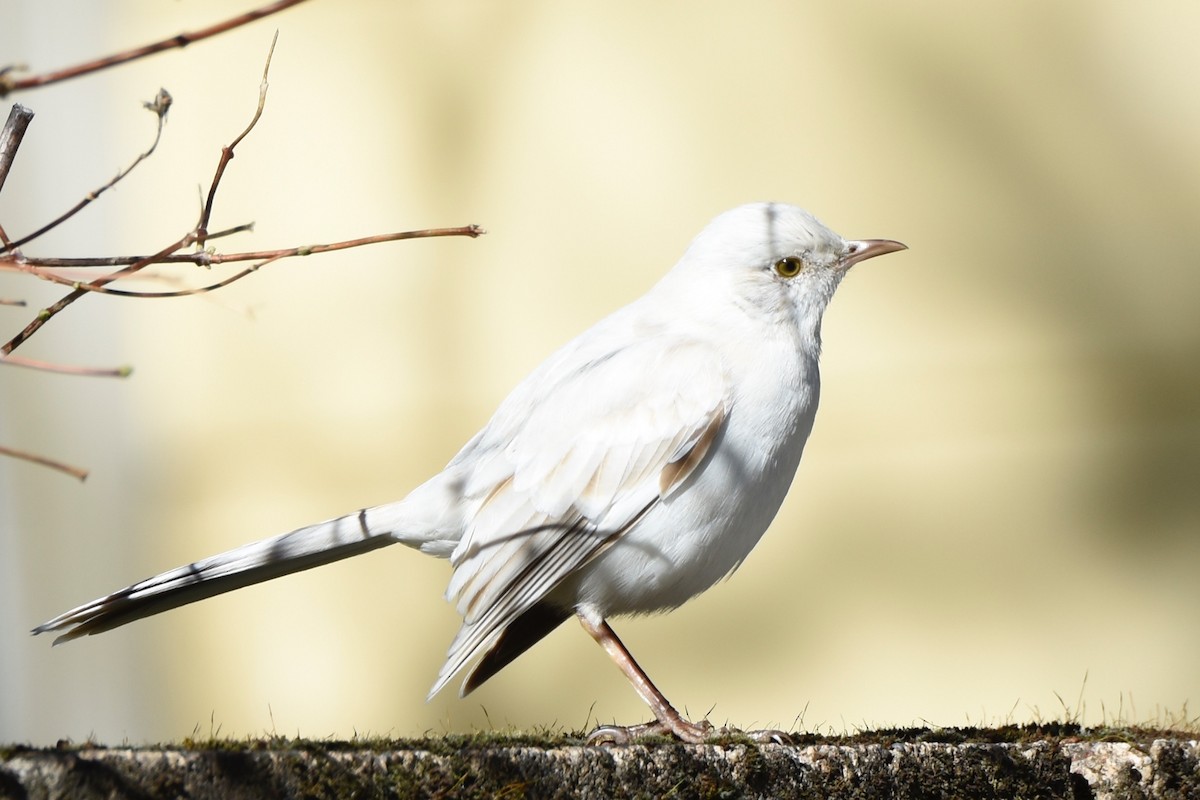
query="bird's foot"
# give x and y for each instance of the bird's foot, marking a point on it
(690, 732)
(769, 736)
(680, 728)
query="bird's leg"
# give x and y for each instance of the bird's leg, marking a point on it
(668, 720)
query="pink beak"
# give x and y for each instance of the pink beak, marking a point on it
(868, 248)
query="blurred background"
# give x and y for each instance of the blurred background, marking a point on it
(997, 516)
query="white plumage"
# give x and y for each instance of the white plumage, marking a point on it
(637, 466)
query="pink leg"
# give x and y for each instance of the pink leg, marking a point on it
(668, 719)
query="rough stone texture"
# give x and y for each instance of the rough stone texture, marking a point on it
(868, 766)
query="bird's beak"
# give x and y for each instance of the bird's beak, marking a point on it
(868, 248)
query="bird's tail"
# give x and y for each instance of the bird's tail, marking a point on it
(301, 549)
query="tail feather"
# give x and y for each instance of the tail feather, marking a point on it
(299, 550)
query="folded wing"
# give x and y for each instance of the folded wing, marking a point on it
(570, 462)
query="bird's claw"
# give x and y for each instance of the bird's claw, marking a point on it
(769, 736)
(610, 734)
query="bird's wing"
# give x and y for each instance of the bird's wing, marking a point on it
(570, 462)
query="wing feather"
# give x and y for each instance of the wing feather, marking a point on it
(586, 452)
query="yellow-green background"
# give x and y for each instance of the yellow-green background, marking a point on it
(998, 507)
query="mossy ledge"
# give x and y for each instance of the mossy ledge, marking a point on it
(1056, 761)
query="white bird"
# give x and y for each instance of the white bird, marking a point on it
(632, 470)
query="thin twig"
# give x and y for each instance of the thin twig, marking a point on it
(243, 228)
(227, 151)
(9, 84)
(160, 105)
(205, 259)
(267, 257)
(74, 472)
(19, 262)
(9, 301)
(46, 314)
(10, 137)
(68, 369)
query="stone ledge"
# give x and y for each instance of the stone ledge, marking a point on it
(498, 766)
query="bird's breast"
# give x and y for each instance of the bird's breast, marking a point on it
(700, 533)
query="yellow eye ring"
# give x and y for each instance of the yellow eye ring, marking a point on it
(788, 267)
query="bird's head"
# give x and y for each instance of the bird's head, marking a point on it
(773, 261)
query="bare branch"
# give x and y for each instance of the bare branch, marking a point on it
(10, 137)
(197, 235)
(35, 265)
(9, 84)
(227, 151)
(67, 369)
(267, 256)
(74, 472)
(243, 228)
(159, 105)
(48, 313)
(124, 267)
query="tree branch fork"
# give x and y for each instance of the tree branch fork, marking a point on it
(193, 247)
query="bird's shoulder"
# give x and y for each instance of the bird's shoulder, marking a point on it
(610, 408)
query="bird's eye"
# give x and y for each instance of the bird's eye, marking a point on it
(788, 267)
